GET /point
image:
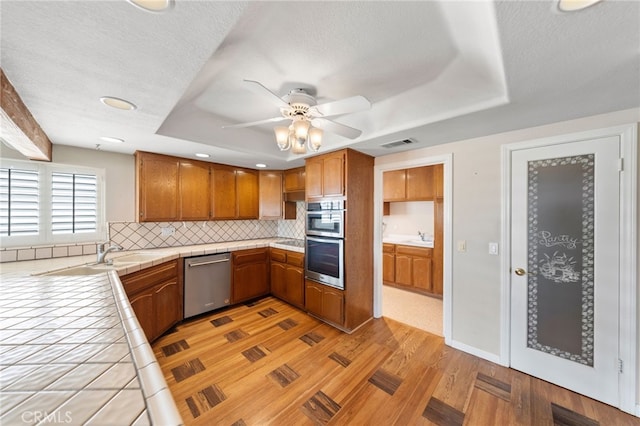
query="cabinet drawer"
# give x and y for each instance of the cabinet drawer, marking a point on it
(388, 248)
(295, 259)
(278, 255)
(414, 251)
(244, 257)
(140, 280)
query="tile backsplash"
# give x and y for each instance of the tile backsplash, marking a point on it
(148, 235)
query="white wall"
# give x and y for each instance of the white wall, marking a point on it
(409, 217)
(476, 219)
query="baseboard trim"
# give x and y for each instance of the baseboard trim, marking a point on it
(475, 351)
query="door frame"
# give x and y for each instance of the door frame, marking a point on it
(447, 161)
(628, 328)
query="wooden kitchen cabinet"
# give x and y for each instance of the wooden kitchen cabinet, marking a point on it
(325, 175)
(325, 302)
(388, 263)
(394, 185)
(157, 187)
(234, 193)
(271, 202)
(194, 190)
(287, 276)
(249, 274)
(415, 184)
(413, 269)
(155, 295)
(294, 179)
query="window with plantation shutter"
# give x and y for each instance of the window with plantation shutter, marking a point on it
(73, 203)
(19, 202)
(46, 203)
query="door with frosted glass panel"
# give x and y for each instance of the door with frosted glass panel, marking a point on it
(564, 265)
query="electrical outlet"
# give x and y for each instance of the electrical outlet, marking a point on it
(493, 249)
(167, 231)
(462, 246)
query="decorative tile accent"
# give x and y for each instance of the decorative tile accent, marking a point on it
(493, 386)
(442, 414)
(565, 417)
(284, 375)
(268, 312)
(320, 408)
(187, 369)
(287, 324)
(343, 361)
(205, 400)
(254, 353)
(221, 321)
(385, 381)
(235, 335)
(174, 348)
(312, 338)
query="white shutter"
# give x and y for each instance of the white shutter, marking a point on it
(19, 205)
(74, 203)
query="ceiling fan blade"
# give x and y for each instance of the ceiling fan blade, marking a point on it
(337, 128)
(342, 106)
(254, 123)
(260, 89)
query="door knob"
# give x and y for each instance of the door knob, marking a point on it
(520, 272)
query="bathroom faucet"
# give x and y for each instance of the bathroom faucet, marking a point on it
(422, 235)
(103, 250)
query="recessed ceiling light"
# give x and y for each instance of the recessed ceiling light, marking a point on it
(110, 139)
(156, 6)
(575, 5)
(201, 155)
(261, 165)
(117, 103)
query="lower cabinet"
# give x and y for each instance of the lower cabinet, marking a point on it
(325, 302)
(155, 295)
(287, 276)
(249, 274)
(408, 267)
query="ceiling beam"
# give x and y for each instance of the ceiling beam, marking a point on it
(18, 127)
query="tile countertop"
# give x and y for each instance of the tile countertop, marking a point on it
(71, 349)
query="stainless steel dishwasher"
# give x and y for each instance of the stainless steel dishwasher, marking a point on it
(207, 283)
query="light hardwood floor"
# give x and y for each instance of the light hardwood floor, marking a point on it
(268, 363)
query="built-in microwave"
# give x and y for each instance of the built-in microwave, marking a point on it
(324, 261)
(325, 219)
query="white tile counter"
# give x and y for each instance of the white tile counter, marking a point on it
(71, 349)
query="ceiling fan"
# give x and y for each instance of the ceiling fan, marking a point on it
(308, 117)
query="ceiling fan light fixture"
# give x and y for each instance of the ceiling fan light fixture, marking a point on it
(301, 128)
(298, 146)
(315, 139)
(282, 137)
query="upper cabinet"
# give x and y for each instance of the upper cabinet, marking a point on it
(416, 184)
(171, 189)
(294, 179)
(270, 194)
(325, 175)
(157, 187)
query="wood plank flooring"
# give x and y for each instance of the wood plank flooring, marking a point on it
(268, 363)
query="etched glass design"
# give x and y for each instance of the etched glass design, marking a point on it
(561, 257)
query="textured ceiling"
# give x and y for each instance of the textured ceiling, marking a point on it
(434, 72)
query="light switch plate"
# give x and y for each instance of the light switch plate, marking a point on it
(462, 246)
(493, 248)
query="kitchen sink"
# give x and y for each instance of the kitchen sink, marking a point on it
(81, 270)
(136, 257)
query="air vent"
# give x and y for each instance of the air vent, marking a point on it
(398, 143)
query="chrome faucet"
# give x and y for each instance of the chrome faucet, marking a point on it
(103, 250)
(422, 235)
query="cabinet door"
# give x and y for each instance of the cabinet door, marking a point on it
(421, 267)
(194, 191)
(333, 305)
(295, 285)
(393, 185)
(420, 183)
(313, 298)
(158, 188)
(333, 175)
(294, 179)
(142, 305)
(278, 280)
(388, 267)
(223, 197)
(270, 194)
(403, 269)
(438, 180)
(247, 194)
(313, 179)
(250, 281)
(167, 306)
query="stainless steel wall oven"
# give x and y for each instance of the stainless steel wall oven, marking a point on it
(324, 261)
